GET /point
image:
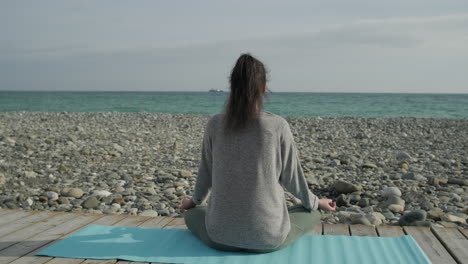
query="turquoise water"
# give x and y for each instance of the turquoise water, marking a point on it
(285, 104)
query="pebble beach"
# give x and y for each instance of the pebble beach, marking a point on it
(381, 171)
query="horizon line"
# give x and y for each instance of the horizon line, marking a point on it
(227, 92)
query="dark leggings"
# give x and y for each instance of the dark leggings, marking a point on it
(302, 221)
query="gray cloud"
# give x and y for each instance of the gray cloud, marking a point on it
(399, 54)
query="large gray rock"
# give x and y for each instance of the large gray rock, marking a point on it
(52, 196)
(361, 221)
(346, 187)
(149, 213)
(185, 173)
(396, 208)
(75, 193)
(374, 219)
(411, 218)
(453, 219)
(91, 203)
(403, 157)
(393, 199)
(435, 213)
(391, 191)
(342, 200)
(364, 202)
(101, 193)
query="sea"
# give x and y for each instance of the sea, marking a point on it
(379, 105)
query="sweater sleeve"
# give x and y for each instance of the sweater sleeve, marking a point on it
(292, 177)
(203, 183)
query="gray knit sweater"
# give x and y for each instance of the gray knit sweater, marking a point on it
(245, 172)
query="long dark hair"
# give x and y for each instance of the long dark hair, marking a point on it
(248, 77)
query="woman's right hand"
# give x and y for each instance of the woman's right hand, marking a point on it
(327, 205)
(186, 204)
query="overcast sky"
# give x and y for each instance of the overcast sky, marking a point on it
(308, 46)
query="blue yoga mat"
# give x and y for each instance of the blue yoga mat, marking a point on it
(181, 246)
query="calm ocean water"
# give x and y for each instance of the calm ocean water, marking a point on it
(285, 104)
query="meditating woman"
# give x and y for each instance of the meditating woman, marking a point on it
(248, 156)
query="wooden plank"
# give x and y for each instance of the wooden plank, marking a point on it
(318, 230)
(72, 222)
(157, 222)
(454, 241)
(362, 230)
(25, 233)
(390, 231)
(106, 220)
(464, 231)
(336, 229)
(4, 211)
(61, 260)
(132, 221)
(13, 216)
(23, 222)
(429, 244)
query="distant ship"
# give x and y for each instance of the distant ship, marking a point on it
(216, 91)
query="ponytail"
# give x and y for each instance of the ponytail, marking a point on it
(248, 77)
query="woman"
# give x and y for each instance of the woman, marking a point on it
(248, 155)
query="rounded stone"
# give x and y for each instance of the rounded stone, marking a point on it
(413, 176)
(361, 221)
(453, 219)
(91, 203)
(412, 217)
(374, 220)
(342, 200)
(346, 187)
(391, 191)
(63, 200)
(101, 193)
(118, 200)
(28, 202)
(119, 189)
(52, 196)
(185, 173)
(364, 202)
(393, 199)
(75, 193)
(403, 156)
(149, 213)
(404, 166)
(133, 211)
(396, 208)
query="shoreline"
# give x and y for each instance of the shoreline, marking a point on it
(201, 115)
(142, 163)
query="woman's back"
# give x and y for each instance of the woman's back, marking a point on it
(244, 170)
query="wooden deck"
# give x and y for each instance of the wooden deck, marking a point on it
(23, 233)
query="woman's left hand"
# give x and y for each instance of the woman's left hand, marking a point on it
(186, 204)
(327, 205)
